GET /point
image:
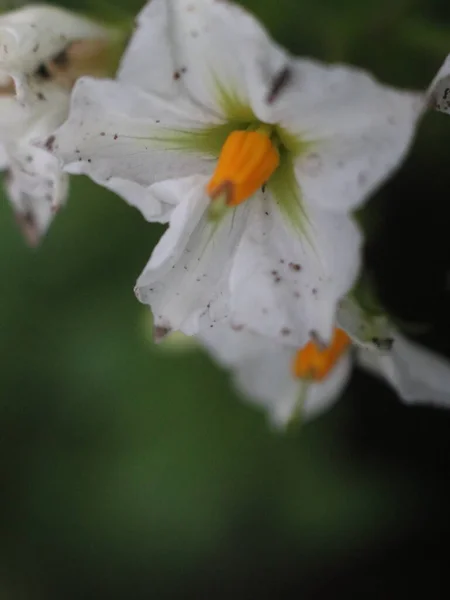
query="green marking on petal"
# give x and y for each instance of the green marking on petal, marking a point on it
(294, 145)
(284, 187)
(206, 141)
(233, 107)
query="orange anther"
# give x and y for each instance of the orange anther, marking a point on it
(312, 362)
(247, 161)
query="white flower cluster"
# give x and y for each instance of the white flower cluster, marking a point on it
(254, 158)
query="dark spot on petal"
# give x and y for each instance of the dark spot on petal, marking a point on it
(61, 59)
(314, 291)
(43, 72)
(383, 343)
(237, 327)
(285, 331)
(279, 82)
(295, 266)
(102, 133)
(40, 96)
(115, 136)
(362, 178)
(49, 143)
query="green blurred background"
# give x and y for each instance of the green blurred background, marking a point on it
(133, 471)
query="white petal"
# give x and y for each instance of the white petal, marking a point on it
(358, 129)
(417, 374)
(439, 91)
(211, 42)
(119, 134)
(286, 284)
(366, 330)
(4, 159)
(32, 111)
(148, 62)
(322, 396)
(36, 188)
(36, 33)
(192, 258)
(262, 372)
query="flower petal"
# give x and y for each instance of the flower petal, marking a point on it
(4, 158)
(370, 331)
(262, 372)
(211, 42)
(286, 284)
(192, 258)
(148, 62)
(117, 134)
(439, 90)
(351, 131)
(34, 34)
(417, 374)
(36, 188)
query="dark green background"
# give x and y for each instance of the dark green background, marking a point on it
(128, 471)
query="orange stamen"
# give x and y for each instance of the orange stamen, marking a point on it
(247, 161)
(312, 362)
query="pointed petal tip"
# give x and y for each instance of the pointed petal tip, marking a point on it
(160, 333)
(29, 229)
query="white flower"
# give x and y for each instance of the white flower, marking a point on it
(439, 90)
(43, 50)
(267, 155)
(292, 383)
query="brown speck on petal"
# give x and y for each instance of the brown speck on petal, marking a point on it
(159, 333)
(9, 89)
(285, 331)
(295, 266)
(383, 343)
(49, 143)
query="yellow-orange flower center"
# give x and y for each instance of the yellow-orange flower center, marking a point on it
(315, 363)
(246, 162)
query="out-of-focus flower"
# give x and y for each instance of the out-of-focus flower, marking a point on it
(267, 155)
(302, 383)
(43, 50)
